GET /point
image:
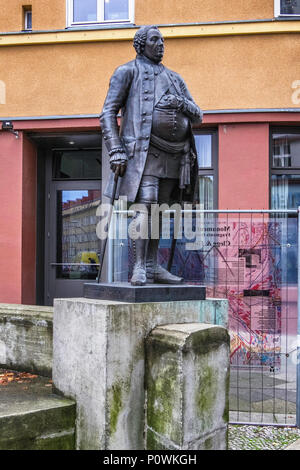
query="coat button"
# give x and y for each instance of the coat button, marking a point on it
(145, 149)
(143, 120)
(146, 97)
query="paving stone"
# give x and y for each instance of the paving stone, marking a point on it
(242, 437)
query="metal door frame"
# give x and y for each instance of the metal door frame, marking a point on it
(51, 188)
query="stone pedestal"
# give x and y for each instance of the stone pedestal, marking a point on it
(125, 292)
(187, 387)
(99, 360)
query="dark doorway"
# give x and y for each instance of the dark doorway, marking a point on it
(69, 192)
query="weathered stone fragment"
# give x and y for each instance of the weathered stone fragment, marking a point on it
(187, 380)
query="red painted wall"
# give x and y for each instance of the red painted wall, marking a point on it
(17, 219)
(10, 217)
(244, 166)
(29, 222)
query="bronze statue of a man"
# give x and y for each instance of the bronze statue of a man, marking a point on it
(154, 149)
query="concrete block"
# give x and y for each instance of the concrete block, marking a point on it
(187, 387)
(26, 338)
(99, 361)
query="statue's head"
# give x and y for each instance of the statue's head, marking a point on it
(149, 42)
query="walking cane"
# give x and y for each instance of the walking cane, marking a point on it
(112, 199)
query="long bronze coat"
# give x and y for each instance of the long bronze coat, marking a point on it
(131, 89)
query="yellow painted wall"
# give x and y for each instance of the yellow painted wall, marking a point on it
(193, 11)
(221, 72)
(51, 14)
(46, 14)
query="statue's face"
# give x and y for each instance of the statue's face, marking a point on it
(154, 47)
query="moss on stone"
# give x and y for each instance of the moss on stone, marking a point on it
(207, 340)
(161, 400)
(206, 396)
(226, 407)
(38, 422)
(115, 406)
(51, 443)
(209, 444)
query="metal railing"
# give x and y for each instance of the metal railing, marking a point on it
(270, 380)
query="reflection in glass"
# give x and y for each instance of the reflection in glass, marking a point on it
(285, 194)
(77, 164)
(84, 11)
(285, 191)
(77, 242)
(206, 192)
(204, 150)
(290, 7)
(286, 150)
(116, 10)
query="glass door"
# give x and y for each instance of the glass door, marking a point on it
(72, 246)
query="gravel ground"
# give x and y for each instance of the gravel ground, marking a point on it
(261, 437)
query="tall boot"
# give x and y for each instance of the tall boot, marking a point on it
(156, 273)
(139, 277)
(151, 260)
(140, 245)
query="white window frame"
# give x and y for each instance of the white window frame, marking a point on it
(277, 11)
(100, 15)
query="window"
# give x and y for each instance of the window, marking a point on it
(27, 18)
(89, 12)
(285, 194)
(285, 169)
(287, 8)
(206, 146)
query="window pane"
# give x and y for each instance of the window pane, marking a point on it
(286, 150)
(77, 242)
(85, 10)
(204, 150)
(285, 191)
(77, 164)
(290, 7)
(285, 194)
(206, 192)
(28, 20)
(116, 10)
